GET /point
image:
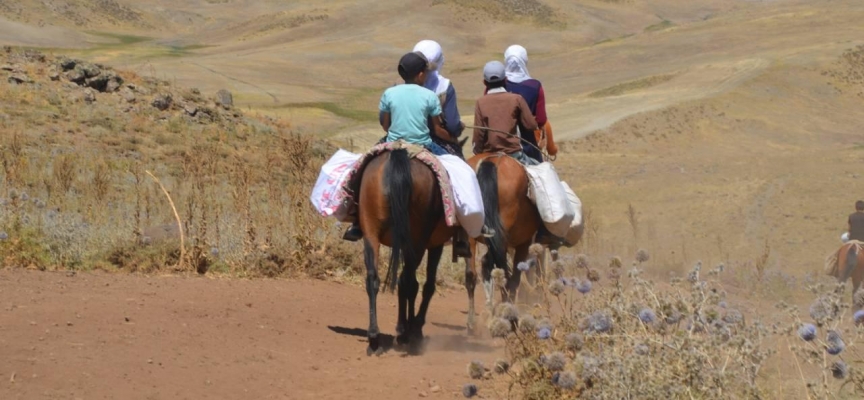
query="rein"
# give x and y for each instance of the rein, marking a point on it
(546, 155)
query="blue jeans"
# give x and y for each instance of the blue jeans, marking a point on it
(436, 149)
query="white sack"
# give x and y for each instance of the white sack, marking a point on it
(326, 194)
(548, 194)
(466, 194)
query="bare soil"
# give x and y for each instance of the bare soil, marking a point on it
(120, 336)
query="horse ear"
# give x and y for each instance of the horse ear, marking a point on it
(462, 142)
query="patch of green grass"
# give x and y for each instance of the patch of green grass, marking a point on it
(631, 86)
(612, 40)
(665, 24)
(122, 39)
(337, 109)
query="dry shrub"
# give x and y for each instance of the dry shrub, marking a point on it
(683, 339)
(240, 185)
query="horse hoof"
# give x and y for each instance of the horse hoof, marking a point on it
(377, 352)
(402, 339)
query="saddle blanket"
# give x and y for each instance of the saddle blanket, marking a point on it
(333, 194)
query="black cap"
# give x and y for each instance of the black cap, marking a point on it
(411, 64)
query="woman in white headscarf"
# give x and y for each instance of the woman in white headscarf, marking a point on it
(445, 92)
(520, 81)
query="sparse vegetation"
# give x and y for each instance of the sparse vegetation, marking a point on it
(632, 86)
(534, 11)
(662, 25)
(75, 193)
(683, 339)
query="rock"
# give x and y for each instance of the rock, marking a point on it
(435, 389)
(195, 91)
(190, 109)
(17, 79)
(128, 94)
(113, 84)
(76, 75)
(90, 70)
(106, 81)
(54, 75)
(224, 99)
(162, 101)
(89, 96)
(11, 68)
(67, 64)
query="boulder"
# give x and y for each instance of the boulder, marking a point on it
(17, 79)
(162, 101)
(128, 94)
(190, 109)
(224, 99)
(67, 63)
(89, 96)
(76, 75)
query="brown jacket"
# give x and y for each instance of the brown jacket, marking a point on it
(501, 111)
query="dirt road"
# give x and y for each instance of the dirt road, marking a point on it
(118, 336)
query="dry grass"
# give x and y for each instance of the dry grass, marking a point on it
(75, 194)
(632, 86)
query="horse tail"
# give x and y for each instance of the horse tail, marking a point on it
(851, 262)
(487, 177)
(397, 175)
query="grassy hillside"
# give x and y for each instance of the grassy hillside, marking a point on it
(77, 190)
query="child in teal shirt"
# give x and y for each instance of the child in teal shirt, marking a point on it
(408, 110)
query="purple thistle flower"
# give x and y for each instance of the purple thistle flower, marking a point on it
(469, 390)
(807, 332)
(839, 370)
(584, 286)
(647, 316)
(523, 266)
(859, 317)
(544, 333)
(564, 380)
(835, 343)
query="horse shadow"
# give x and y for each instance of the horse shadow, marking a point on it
(457, 342)
(386, 341)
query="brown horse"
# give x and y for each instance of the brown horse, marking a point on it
(513, 217)
(400, 206)
(850, 263)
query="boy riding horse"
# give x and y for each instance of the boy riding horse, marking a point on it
(407, 113)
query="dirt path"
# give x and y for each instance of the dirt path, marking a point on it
(103, 336)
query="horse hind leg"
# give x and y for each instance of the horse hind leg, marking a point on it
(408, 288)
(471, 282)
(373, 283)
(432, 261)
(486, 267)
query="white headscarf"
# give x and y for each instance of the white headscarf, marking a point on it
(432, 50)
(516, 63)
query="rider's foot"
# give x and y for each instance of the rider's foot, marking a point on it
(547, 239)
(487, 232)
(353, 233)
(461, 249)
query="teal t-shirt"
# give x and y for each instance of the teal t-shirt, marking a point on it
(410, 107)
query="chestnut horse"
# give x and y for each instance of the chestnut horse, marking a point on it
(850, 263)
(400, 206)
(513, 217)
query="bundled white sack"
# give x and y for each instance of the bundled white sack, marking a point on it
(844, 237)
(576, 226)
(553, 203)
(466, 194)
(326, 194)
